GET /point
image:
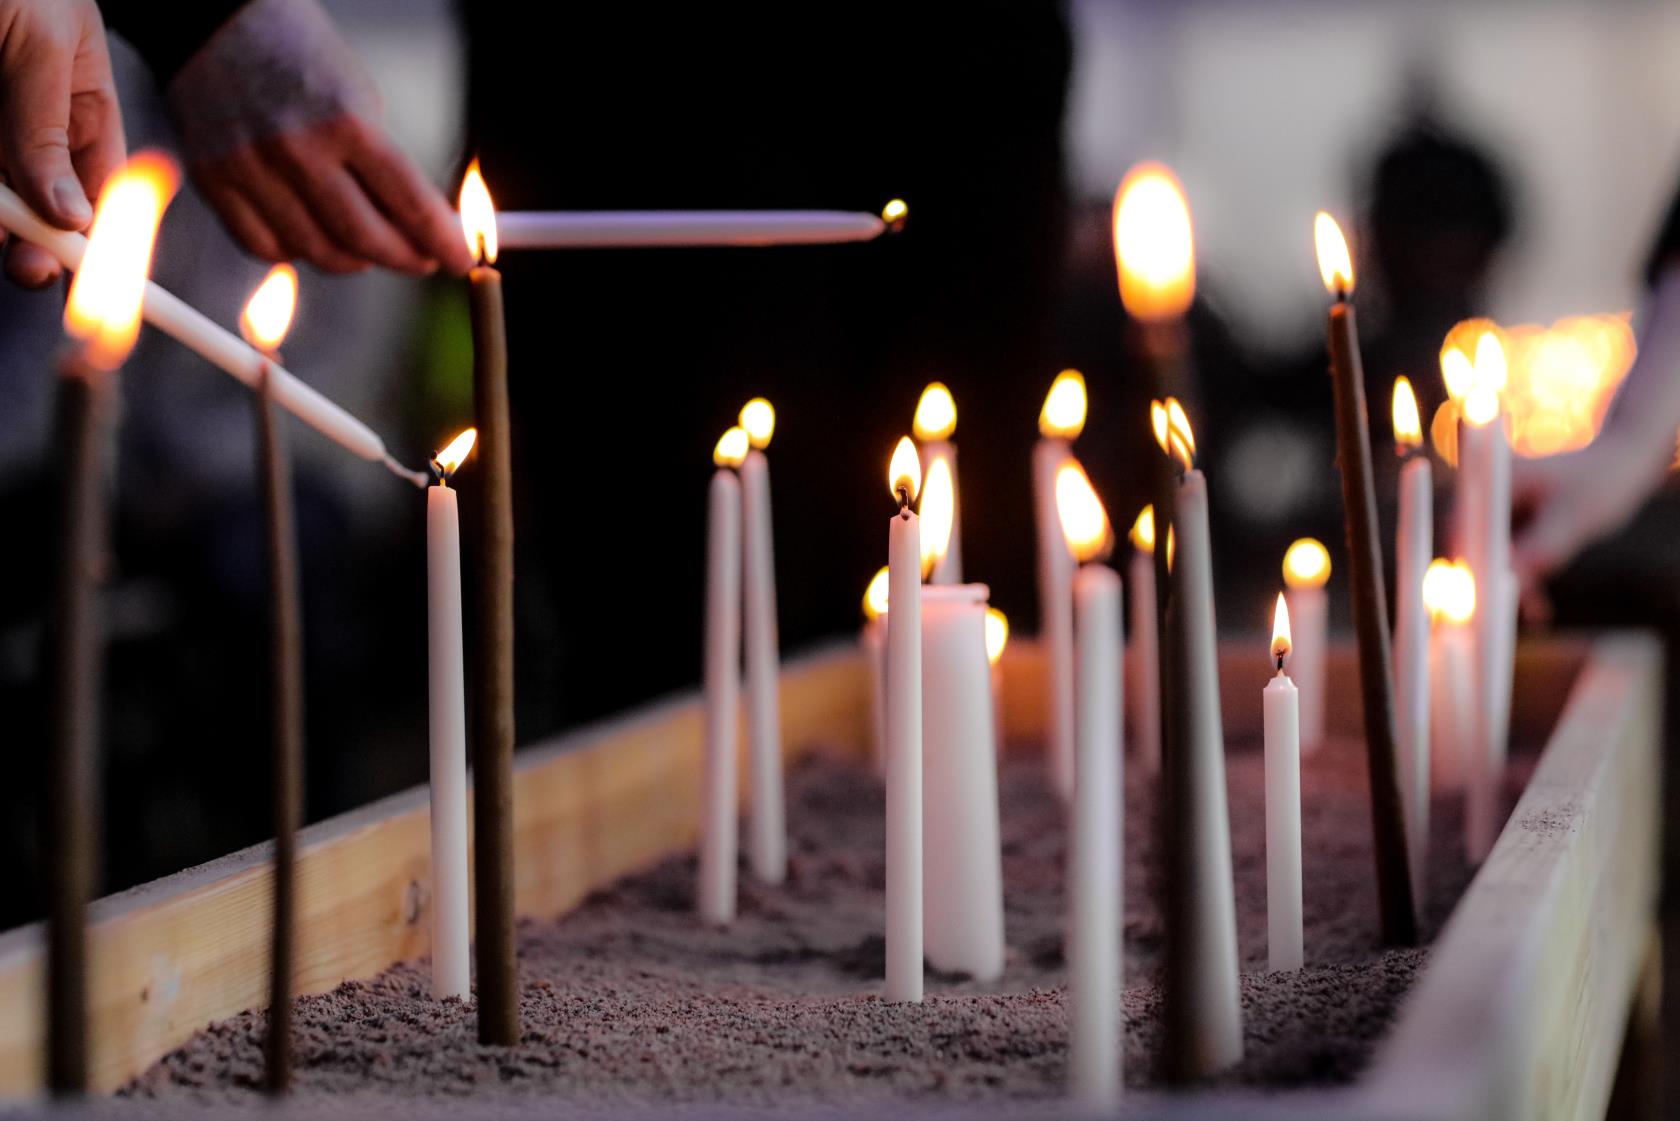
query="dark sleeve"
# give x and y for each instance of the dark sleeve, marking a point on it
(166, 35)
(1666, 251)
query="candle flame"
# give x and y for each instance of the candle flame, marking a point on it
(1491, 367)
(938, 510)
(1443, 432)
(1281, 644)
(105, 296)
(1335, 264)
(1172, 431)
(936, 413)
(731, 450)
(478, 216)
(1457, 374)
(1084, 521)
(875, 596)
(1172, 547)
(1143, 530)
(1481, 408)
(758, 417)
(1449, 591)
(449, 460)
(997, 634)
(1154, 246)
(894, 214)
(1408, 426)
(904, 472)
(1306, 564)
(268, 313)
(1158, 423)
(1063, 414)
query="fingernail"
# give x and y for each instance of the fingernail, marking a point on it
(72, 203)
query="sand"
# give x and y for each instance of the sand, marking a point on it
(628, 1001)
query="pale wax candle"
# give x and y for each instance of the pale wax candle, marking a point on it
(936, 421)
(718, 824)
(1306, 569)
(1449, 595)
(1143, 695)
(1282, 722)
(767, 826)
(1414, 546)
(642, 229)
(1059, 422)
(904, 735)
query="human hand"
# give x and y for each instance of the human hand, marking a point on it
(278, 121)
(61, 131)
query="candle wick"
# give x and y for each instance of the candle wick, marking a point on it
(904, 502)
(1341, 292)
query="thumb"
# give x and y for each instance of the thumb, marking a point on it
(35, 132)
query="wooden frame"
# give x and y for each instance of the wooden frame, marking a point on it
(1519, 1014)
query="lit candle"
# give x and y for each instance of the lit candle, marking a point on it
(447, 673)
(936, 420)
(767, 837)
(1095, 864)
(1449, 590)
(1144, 694)
(874, 641)
(1282, 721)
(1306, 569)
(904, 732)
(102, 319)
(962, 887)
(1413, 549)
(1398, 915)
(493, 731)
(627, 229)
(997, 640)
(722, 671)
(1059, 423)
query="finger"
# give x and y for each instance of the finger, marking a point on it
(341, 207)
(408, 198)
(97, 144)
(241, 219)
(30, 266)
(35, 129)
(299, 235)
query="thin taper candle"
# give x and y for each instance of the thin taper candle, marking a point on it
(1282, 724)
(767, 825)
(904, 735)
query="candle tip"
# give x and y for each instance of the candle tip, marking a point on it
(418, 478)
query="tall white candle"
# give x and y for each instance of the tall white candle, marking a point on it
(1282, 721)
(1306, 569)
(1143, 695)
(904, 735)
(627, 229)
(1449, 595)
(1059, 422)
(448, 711)
(873, 638)
(1413, 549)
(936, 421)
(767, 827)
(715, 896)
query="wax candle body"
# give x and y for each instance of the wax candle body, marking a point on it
(1309, 620)
(1413, 551)
(622, 229)
(1282, 713)
(1484, 527)
(904, 760)
(716, 893)
(1094, 855)
(948, 569)
(873, 639)
(448, 711)
(1143, 695)
(962, 885)
(1055, 611)
(767, 823)
(1452, 705)
(1205, 1028)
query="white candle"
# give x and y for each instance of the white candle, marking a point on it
(1306, 569)
(715, 896)
(1414, 547)
(1282, 721)
(962, 888)
(623, 229)
(873, 638)
(1143, 696)
(936, 421)
(767, 828)
(904, 736)
(1449, 593)
(1059, 422)
(448, 711)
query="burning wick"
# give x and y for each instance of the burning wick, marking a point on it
(1280, 633)
(449, 460)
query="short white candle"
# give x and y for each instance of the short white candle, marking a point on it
(448, 711)
(904, 734)
(1414, 546)
(936, 421)
(873, 639)
(1143, 695)
(718, 825)
(767, 825)
(1449, 594)
(1306, 569)
(1059, 422)
(641, 229)
(1282, 721)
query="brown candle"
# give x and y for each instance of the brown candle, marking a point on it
(1370, 610)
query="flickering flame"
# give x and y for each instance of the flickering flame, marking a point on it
(731, 450)
(1154, 247)
(1335, 265)
(1457, 374)
(105, 296)
(1084, 521)
(875, 596)
(1280, 631)
(1143, 530)
(936, 413)
(997, 634)
(1449, 591)
(894, 214)
(1491, 367)
(1408, 426)
(449, 460)
(1172, 547)
(1481, 408)
(904, 472)
(758, 417)
(1158, 423)
(1306, 564)
(1063, 414)
(1443, 432)
(1172, 431)
(938, 510)
(268, 313)
(478, 216)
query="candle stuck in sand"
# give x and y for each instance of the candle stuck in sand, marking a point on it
(1059, 423)
(767, 827)
(1282, 722)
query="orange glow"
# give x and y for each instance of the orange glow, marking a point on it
(997, 634)
(1335, 264)
(1143, 530)
(1492, 370)
(1449, 592)
(936, 413)
(1084, 521)
(1172, 545)
(1443, 433)
(732, 446)
(1158, 423)
(1306, 564)
(1481, 408)
(875, 596)
(478, 216)
(938, 511)
(103, 311)
(1280, 631)
(758, 417)
(268, 313)
(1172, 431)
(1457, 374)
(1408, 427)
(895, 213)
(1154, 246)
(904, 471)
(449, 460)
(1063, 414)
